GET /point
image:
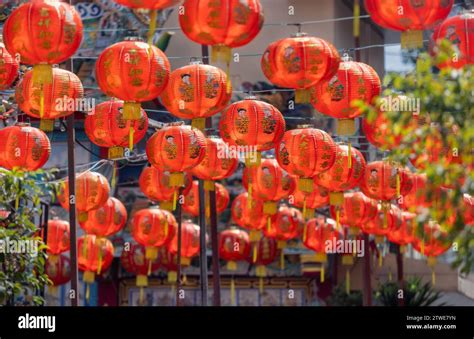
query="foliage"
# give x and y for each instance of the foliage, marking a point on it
(446, 99)
(21, 272)
(414, 293)
(339, 297)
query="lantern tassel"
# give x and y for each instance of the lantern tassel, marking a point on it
(254, 257)
(149, 267)
(282, 260)
(398, 184)
(152, 26)
(380, 259)
(433, 277)
(175, 199)
(302, 96)
(269, 224)
(305, 232)
(304, 208)
(99, 264)
(338, 218)
(412, 39)
(249, 196)
(114, 175)
(322, 273)
(349, 155)
(228, 81)
(348, 282)
(390, 275)
(41, 102)
(232, 291)
(141, 297)
(88, 292)
(130, 138)
(260, 287)
(166, 228)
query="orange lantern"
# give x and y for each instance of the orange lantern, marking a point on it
(190, 234)
(92, 191)
(309, 201)
(335, 97)
(382, 223)
(254, 124)
(191, 200)
(196, 92)
(459, 31)
(403, 230)
(248, 216)
(106, 220)
(107, 127)
(268, 182)
(356, 210)
(417, 197)
(56, 99)
(468, 201)
(300, 62)
(9, 67)
(265, 252)
(58, 237)
(221, 24)
(155, 184)
(169, 262)
(234, 245)
(23, 147)
(152, 228)
(134, 72)
(43, 33)
(94, 255)
(306, 152)
(58, 270)
(409, 17)
(217, 164)
(317, 233)
(176, 148)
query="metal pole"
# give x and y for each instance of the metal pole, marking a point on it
(202, 243)
(179, 219)
(72, 210)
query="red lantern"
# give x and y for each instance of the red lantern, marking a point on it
(177, 149)
(268, 182)
(234, 245)
(254, 124)
(191, 200)
(459, 31)
(92, 191)
(223, 24)
(94, 255)
(335, 97)
(107, 127)
(23, 147)
(409, 17)
(169, 262)
(152, 228)
(417, 197)
(309, 201)
(300, 62)
(468, 209)
(306, 152)
(189, 242)
(106, 220)
(9, 67)
(196, 92)
(265, 252)
(356, 210)
(149, 4)
(134, 72)
(155, 184)
(248, 215)
(403, 230)
(58, 236)
(217, 164)
(58, 269)
(383, 222)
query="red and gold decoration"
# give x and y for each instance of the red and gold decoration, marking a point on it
(9, 67)
(191, 200)
(58, 269)
(23, 147)
(265, 253)
(106, 220)
(107, 127)
(468, 201)
(355, 211)
(300, 62)
(409, 17)
(382, 223)
(57, 238)
(309, 201)
(196, 92)
(403, 230)
(418, 196)
(249, 215)
(132, 71)
(189, 242)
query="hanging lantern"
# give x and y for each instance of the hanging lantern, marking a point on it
(403, 230)
(177, 149)
(217, 164)
(300, 62)
(253, 125)
(191, 200)
(94, 255)
(169, 262)
(107, 127)
(356, 210)
(409, 17)
(152, 228)
(58, 270)
(234, 245)
(417, 197)
(92, 191)
(221, 24)
(58, 237)
(23, 147)
(133, 261)
(270, 183)
(155, 184)
(266, 253)
(189, 242)
(468, 201)
(335, 96)
(106, 220)
(459, 31)
(248, 216)
(317, 233)
(9, 67)
(43, 33)
(132, 71)
(309, 201)
(345, 174)
(306, 152)
(196, 92)
(381, 224)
